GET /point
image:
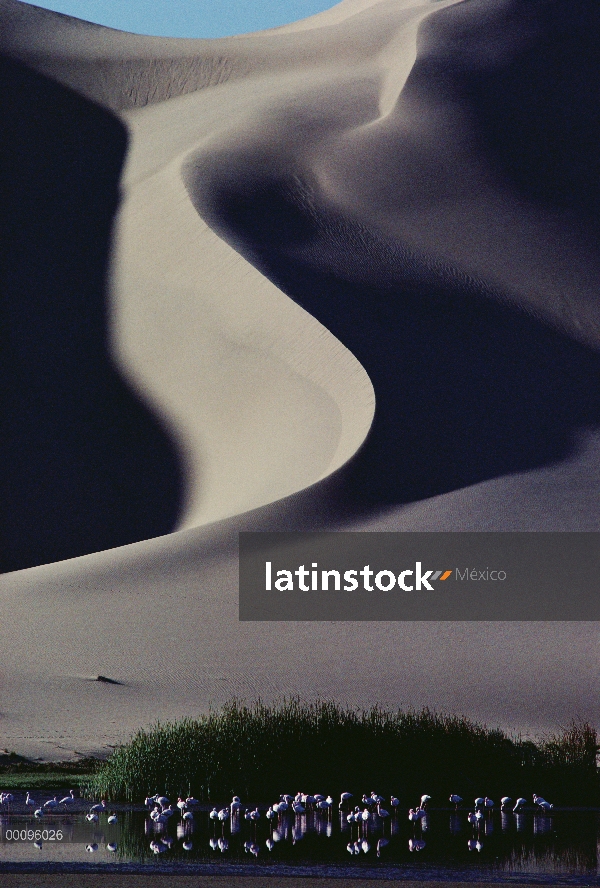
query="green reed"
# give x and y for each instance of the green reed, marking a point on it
(259, 751)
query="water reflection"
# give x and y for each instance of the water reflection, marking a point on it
(504, 842)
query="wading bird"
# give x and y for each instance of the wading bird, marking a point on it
(100, 807)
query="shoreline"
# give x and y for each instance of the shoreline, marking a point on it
(302, 875)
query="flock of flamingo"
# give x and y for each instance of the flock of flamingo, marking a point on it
(160, 810)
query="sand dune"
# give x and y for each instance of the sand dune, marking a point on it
(223, 254)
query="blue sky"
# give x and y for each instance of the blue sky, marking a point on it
(189, 18)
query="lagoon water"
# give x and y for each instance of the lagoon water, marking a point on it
(561, 846)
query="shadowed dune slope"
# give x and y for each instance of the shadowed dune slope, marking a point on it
(474, 377)
(84, 464)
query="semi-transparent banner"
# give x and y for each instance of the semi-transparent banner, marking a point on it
(419, 576)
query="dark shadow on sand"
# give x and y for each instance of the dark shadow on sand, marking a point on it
(536, 108)
(468, 388)
(84, 465)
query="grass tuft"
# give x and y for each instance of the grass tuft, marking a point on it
(259, 751)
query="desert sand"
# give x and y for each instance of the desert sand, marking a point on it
(337, 275)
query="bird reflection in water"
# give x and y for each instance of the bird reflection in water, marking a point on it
(542, 824)
(455, 824)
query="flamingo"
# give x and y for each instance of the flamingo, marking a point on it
(68, 800)
(52, 803)
(38, 844)
(38, 813)
(223, 817)
(488, 804)
(322, 805)
(416, 814)
(191, 802)
(235, 806)
(519, 804)
(479, 802)
(112, 818)
(187, 846)
(29, 801)
(394, 802)
(281, 808)
(188, 815)
(111, 846)
(424, 801)
(92, 817)
(92, 847)
(298, 808)
(345, 797)
(456, 800)
(381, 844)
(162, 801)
(101, 806)
(382, 812)
(542, 803)
(181, 805)
(505, 802)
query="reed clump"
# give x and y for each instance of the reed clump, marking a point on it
(261, 750)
